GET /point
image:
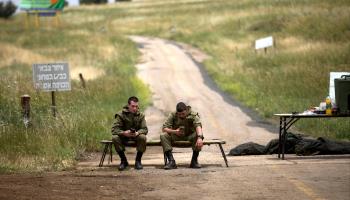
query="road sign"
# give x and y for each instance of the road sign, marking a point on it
(263, 43)
(51, 77)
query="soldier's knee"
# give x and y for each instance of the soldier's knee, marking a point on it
(142, 138)
(116, 138)
(118, 143)
(164, 136)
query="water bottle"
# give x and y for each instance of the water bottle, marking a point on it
(328, 106)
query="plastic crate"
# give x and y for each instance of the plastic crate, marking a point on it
(342, 94)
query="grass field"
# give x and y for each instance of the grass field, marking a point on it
(85, 116)
(312, 39)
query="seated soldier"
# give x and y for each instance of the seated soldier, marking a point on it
(130, 124)
(182, 125)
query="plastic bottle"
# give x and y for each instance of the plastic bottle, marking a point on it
(328, 106)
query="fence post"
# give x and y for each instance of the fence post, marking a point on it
(25, 104)
(82, 80)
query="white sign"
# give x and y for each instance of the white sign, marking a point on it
(332, 76)
(51, 77)
(264, 42)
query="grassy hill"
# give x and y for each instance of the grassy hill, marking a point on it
(312, 39)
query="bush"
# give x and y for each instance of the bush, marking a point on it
(93, 1)
(98, 1)
(7, 9)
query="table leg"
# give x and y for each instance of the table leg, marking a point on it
(280, 139)
(284, 133)
(286, 125)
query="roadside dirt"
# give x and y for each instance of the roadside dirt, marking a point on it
(248, 177)
(173, 75)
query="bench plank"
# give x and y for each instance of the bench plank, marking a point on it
(176, 143)
(180, 144)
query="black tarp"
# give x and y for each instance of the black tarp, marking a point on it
(295, 144)
(249, 148)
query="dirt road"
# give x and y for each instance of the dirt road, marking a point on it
(173, 76)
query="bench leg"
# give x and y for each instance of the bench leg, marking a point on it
(103, 155)
(110, 152)
(110, 145)
(223, 154)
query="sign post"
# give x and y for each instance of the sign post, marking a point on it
(51, 77)
(264, 43)
(42, 8)
(53, 103)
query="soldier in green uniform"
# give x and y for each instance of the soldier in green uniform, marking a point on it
(183, 125)
(130, 124)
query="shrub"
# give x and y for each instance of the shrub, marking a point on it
(98, 1)
(93, 1)
(7, 9)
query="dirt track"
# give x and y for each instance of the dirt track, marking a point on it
(173, 76)
(172, 73)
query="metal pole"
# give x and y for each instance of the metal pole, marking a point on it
(37, 20)
(284, 133)
(280, 139)
(53, 106)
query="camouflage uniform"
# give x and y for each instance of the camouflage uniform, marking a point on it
(190, 123)
(126, 120)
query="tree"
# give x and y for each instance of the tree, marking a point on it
(7, 9)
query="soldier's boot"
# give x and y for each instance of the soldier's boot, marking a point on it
(194, 160)
(138, 164)
(171, 164)
(123, 161)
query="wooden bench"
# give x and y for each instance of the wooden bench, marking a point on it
(107, 147)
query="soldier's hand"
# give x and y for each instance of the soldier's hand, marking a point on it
(179, 132)
(128, 133)
(199, 143)
(132, 134)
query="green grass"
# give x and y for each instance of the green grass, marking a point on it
(84, 117)
(312, 39)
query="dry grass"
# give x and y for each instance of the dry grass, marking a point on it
(11, 54)
(89, 73)
(299, 45)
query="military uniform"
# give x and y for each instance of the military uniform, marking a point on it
(190, 123)
(125, 120)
